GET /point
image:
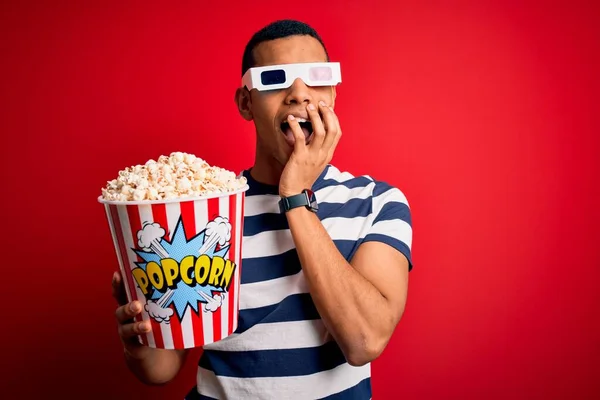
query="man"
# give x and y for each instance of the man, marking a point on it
(324, 270)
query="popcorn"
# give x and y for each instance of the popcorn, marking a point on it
(178, 175)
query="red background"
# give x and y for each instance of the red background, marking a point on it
(486, 116)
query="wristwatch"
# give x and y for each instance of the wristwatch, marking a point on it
(305, 199)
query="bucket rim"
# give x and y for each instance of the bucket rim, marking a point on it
(243, 189)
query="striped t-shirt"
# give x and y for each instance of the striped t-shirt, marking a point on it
(281, 349)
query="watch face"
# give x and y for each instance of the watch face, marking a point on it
(312, 200)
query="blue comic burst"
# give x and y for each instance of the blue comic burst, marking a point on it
(184, 296)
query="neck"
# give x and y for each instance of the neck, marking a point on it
(266, 169)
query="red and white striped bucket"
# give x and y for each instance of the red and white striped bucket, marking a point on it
(181, 258)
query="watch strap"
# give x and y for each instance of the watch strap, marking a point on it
(304, 199)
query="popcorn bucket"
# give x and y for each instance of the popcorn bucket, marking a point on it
(181, 258)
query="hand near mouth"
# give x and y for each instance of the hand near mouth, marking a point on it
(308, 160)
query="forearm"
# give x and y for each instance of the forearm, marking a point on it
(356, 314)
(157, 367)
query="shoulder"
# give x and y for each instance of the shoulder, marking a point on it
(382, 207)
(349, 195)
(333, 176)
(339, 186)
(365, 186)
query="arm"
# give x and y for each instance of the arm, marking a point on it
(360, 302)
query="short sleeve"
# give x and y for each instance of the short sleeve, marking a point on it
(391, 220)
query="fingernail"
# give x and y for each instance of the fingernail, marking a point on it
(144, 326)
(291, 117)
(322, 103)
(311, 107)
(331, 108)
(115, 276)
(134, 307)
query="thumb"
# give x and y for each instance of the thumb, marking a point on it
(299, 140)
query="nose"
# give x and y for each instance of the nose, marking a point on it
(298, 93)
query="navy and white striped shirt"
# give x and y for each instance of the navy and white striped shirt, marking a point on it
(281, 349)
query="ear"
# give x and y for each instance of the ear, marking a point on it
(244, 103)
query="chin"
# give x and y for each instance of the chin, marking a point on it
(275, 146)
(282, 150)
(283, 155)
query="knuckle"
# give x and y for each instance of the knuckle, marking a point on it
(129, 330)
(132, 308)
(143, 327)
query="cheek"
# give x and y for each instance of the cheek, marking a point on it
(264, 121)
(326, 94)
(264, 114)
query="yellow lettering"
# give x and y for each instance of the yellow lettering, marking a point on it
(171, 271)
(155, 275)
(186, 264)
(215, 271)
(201, 269)
(227, 274)
(141, 278)
(206, 271)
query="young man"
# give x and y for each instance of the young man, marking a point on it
(326, 254)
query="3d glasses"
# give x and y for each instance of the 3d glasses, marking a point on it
(282, 76)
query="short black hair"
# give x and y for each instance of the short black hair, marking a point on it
(277, 30)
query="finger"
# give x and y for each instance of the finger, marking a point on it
(317, 124)
(299, 142)
(332, 126)
(128, 311)
(118, 289)
(339, 128)
(336, 138)
(128, 331)
(325, 110)
(331, 150)
(337, 121)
